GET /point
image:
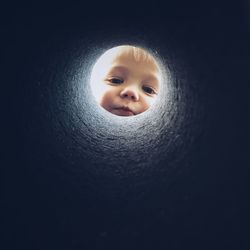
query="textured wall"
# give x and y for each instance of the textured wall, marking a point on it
(175, 177)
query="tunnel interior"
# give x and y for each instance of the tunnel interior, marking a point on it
(78, 177)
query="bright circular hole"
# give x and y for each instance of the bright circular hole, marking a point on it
(126, 80)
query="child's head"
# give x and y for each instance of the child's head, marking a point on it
(126, 80)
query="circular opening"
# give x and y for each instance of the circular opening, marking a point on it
(126, 80)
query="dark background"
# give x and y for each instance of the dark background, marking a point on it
(203, 206)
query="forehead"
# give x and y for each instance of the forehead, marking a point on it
(127, 60)
(135, 57)
(137, 65)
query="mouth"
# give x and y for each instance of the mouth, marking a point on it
(123, 111)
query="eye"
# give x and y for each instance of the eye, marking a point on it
(149, 90)
(115, 80)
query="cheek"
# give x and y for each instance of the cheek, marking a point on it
(146, 103)
(107, 97)
(100, 90)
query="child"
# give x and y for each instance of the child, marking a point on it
(126, 80)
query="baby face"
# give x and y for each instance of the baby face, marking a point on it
(129, 86)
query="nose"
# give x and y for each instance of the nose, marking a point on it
(130, 93)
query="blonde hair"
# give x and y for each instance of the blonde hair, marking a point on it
(138, 54)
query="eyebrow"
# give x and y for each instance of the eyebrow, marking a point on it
(124, 70)
(120, 69)
(153, 79)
